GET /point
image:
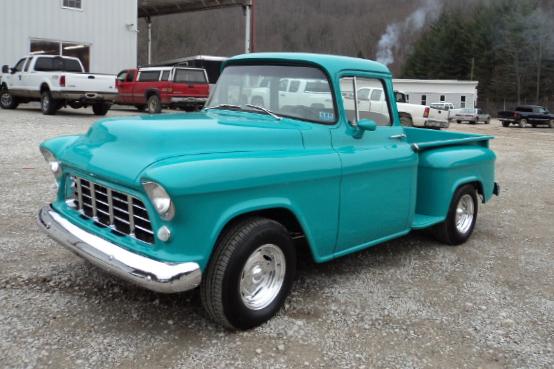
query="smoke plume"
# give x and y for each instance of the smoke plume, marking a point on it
(414, 22)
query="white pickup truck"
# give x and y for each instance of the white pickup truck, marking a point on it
(55, 81)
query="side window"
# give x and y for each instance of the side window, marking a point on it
(131, 76)
(463, 102)
(377, 111)
(283, 85)
(294, 85)
(149, 76)
(423, 99)
(376, 95)
(19, 66)
(27, 64)
(122, 76)
(165, 75)
(443, 98)
(363, 94)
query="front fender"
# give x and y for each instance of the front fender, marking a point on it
(58, 144)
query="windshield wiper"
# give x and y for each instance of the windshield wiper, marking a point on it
(224, 106)
(267, 111)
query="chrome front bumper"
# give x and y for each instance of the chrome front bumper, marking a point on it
(145, 272)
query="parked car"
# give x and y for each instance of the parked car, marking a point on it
(415, 115)
(155, 88)
(55, 81)
(222, 198)
(527, 114)
(472, 116)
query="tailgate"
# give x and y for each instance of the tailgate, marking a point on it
(438, 115)
(90, 83)
(191, 89)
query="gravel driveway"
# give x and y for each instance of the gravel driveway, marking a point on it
(409, 303)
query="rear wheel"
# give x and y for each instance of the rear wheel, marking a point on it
(100, 108)
(250, 274)
(522, 123)
(461, 218)
(7, 100)
(48, 105)
(154, 104)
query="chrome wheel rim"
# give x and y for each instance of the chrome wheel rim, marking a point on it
(262, 277)
(45, 102)
(6, 98)
(465, 212)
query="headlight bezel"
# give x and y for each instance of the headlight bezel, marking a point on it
(160, 199)
(54, 164)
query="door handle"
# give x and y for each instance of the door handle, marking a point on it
(398, 137)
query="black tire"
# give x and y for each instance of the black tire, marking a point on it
(522, 123)
(406, 121)
(488, 121)
(505, 124)
(140, 107)
(100, 108)
(154, 104)
(459, 121)
(48, 105)
(7, 100)
(220, 289)
(448, 232)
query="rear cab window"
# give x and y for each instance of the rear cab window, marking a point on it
(190, 76)
(57, 64)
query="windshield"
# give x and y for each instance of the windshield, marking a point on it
(290, 91)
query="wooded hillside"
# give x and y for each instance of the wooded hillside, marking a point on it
(505, 44)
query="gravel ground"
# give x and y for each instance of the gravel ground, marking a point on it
(409, 303)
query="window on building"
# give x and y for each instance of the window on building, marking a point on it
(423, 99)
(463, 102)
(45, 47)
(72, 4)
(443, 99)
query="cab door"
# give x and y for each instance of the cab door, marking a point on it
(379, 171)
(15, 80)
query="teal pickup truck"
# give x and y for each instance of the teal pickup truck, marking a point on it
(221, 198)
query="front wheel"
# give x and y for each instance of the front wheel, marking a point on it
(7, 100)
(250, 274)
(505, 124)
(461, 218)
(100, 108)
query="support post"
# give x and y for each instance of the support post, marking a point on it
(149, 27)
(247, 27)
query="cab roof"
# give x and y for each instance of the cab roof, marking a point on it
(331, 63)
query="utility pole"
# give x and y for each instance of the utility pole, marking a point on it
(472, 69)
(247, 27)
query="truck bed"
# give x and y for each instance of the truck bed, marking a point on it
(425, 139)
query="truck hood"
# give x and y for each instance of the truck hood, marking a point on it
(119, 149)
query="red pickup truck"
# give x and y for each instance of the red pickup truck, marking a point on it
(153, 88)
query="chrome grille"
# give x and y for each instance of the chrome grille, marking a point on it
(123, 213)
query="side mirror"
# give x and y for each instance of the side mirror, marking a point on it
(367, 125)
(5, 69)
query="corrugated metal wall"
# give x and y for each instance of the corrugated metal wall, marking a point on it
(101, 23)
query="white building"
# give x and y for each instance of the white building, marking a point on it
(102, 33)
(463, 94)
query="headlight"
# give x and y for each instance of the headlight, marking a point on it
(53, 163)
(160, 199)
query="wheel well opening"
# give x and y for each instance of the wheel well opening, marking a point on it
(44, 87)
(150, 93)
(479, 187)
(282, 216)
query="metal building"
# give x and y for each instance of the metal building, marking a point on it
(463, 94)
(102, 33)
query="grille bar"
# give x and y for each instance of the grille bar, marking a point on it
(116, 210)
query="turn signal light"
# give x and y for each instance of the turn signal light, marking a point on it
(426, 113)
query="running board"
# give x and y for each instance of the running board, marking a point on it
(425, 221)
